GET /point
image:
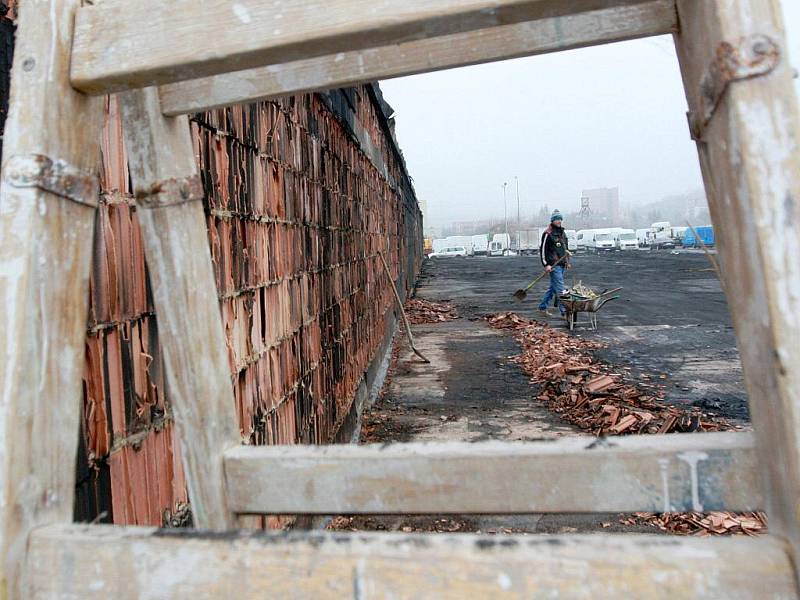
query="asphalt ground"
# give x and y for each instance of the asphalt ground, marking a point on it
(672, 319)
(670, 326)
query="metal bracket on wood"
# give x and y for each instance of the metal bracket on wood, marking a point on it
(52, 175)
(169, 192)
(755, 56)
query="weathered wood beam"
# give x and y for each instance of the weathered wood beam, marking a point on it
(169, 198)
(122, 45)
(643, 473)
(103, 562)
(420, 56)
(744, 115)
(48, 200)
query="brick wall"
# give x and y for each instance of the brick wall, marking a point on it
(301, 194)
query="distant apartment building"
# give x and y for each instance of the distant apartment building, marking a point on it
(602, 202)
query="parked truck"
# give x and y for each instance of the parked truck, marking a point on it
(465, 241)
(480, 244)
(528, 241)
(500, 244)
(660, 236)
(705, 233)
(572, 240)
(678, 234)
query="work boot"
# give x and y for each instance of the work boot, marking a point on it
(543, 312)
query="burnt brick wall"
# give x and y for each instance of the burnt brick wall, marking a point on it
(296, 214)
(301, 194)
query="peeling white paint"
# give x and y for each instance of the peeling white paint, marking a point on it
(504, 581)
(241, 13)
(693, 458)
(663, 465)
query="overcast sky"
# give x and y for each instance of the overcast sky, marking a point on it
(596, 117)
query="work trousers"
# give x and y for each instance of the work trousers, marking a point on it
(555, 289)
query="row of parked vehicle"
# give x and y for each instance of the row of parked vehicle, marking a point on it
(501, 244)
(658, 236)
(526, 242)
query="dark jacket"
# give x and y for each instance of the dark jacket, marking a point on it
(553, 246)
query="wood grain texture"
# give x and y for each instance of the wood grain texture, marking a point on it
(142, 563)
(185, 39)
(185, 295)
(45, 257)
(422, 56)
(750, 159)
(649, 473)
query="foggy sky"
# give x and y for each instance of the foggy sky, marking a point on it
(595, 117)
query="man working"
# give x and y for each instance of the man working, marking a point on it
(555, 259)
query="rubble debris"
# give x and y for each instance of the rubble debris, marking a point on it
(423, 311)
(580, 292)
(702, 525)
(588, 394)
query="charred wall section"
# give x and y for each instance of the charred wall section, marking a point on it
(301, 195)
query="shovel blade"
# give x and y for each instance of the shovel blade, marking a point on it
(520, 295)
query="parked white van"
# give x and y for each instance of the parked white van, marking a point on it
(641, 237)
(585, 239)
(626, 239)
(603, 241)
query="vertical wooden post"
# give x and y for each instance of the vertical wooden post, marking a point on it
(48, 199)
(169, 200)
(744, 115)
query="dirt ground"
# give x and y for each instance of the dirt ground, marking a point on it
(671, 320)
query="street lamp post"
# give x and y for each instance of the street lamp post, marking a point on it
(505, 208)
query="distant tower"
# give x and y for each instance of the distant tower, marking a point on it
(586, 212)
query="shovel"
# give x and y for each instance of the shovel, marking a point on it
(520, 295)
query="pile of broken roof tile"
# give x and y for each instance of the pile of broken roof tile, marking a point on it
(703, 524)
(421, 311)
(588, 394)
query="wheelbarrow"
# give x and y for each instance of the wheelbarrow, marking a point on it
(575, 304)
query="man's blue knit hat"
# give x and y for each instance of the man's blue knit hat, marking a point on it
(556, 216)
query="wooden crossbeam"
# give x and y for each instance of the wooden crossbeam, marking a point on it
(100, 562)
(420, 56)
(122, 45)
(654, 473)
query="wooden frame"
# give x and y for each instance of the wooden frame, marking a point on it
(129, 563)
(744, 113)
(744, 116)
(420, 56)
(113, 52)
(48, 200)
(679, 472)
